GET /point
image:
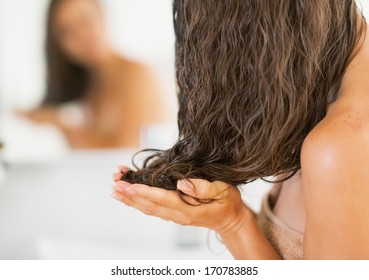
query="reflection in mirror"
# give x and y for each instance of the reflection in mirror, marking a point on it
(89, 74)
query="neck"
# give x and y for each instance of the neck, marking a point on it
(104, 69)
(355, 73)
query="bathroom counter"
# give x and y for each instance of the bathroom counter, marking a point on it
(62, 209)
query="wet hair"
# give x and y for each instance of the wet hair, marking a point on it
(254, 78)
(66, 80)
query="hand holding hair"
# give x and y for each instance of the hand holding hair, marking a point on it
(223, 215)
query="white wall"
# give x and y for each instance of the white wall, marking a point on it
(21, 43)
(364, 4)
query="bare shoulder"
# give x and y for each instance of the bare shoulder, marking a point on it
(341, 139)
(146, 91)
(141, 78)
(335, 183)
(340, 142)
(134, 68)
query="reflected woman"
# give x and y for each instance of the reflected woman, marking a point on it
(96, 97)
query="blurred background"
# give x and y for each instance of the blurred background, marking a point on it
(139, 30)
(57, 155)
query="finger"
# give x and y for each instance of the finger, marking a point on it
(150, 208)
(143, 205)
(121, 198)
(121, 186)
(123, 169)
(156, 195)
(165, 198)
(117, 176)
(203, 189)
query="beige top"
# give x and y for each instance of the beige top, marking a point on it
(287, 242)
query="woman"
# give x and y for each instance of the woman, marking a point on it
(267, 88)
(93, 94)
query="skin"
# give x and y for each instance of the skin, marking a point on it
(329, 198)
(119, 88)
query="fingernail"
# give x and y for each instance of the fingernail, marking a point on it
(114, 195)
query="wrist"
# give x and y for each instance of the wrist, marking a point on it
(244, 217)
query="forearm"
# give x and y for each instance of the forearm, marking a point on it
(246, 240)
(82, 138)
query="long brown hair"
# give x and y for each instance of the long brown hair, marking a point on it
(254, 77)
(66, 80)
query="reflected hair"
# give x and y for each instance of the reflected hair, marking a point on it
(67, 81)
(254, 78)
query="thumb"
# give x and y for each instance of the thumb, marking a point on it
(201, 189)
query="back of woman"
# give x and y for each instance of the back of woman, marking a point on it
(272, 90)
